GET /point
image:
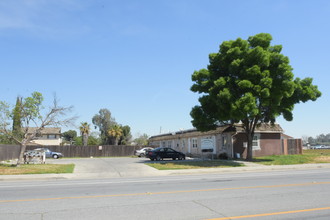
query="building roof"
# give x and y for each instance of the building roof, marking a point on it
(46, 130)
(285, 136)
(264, 128)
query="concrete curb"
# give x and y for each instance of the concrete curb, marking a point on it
(258, 168)
(249, 169)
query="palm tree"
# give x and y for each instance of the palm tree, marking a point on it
(116, 132)
(84, 131)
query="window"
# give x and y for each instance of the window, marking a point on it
(224, 140)
(194, 142)
(224, 143)
(51, 136)
(256, 142)
(163, 144)
(169, 144)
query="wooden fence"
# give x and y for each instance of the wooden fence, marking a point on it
(9, 152)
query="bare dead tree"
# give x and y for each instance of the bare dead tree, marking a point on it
(32, 115)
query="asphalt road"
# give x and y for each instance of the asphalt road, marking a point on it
(293, 194)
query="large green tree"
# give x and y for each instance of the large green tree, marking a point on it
(32, 114)
(126, 136)
(69, 135)
(248, 81)
(17, 118)
(103, 121)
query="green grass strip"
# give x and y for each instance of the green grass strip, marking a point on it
(6, 169)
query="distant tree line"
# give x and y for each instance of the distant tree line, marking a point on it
(319, 139)
(109, 132)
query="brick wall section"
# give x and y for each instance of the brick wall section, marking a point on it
(292, 146)
(270, 144)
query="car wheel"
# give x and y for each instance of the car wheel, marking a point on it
(152, 159)
(173, 158)
(142, 155)
(55, 156)
(158, 158)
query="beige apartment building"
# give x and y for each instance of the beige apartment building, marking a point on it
(48, 136)
(268, 140)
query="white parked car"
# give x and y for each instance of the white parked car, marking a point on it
(321, 147)
(142, 152)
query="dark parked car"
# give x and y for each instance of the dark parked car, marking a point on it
(165, 152)
(50, 153)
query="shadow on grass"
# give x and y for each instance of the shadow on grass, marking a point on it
(7, 165)
(193, 164)
(261, 160)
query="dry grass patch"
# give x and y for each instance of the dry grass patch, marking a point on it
(308, 156)
(322, 159)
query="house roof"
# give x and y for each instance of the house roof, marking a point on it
(46, 130)
(285, 136)
(264, 128)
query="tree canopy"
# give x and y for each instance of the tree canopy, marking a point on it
(17, 118)
(104, 122)
(141, 140)
(115, 132)
(248, 81)
(69, 135)
(111, 131)
(126, 135)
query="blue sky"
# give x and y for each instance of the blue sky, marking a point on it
(136, 57)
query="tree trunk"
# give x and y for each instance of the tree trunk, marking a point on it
(249, 153)
(85, 140)
(21, 153)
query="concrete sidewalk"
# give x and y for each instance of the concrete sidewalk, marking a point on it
(82, 171)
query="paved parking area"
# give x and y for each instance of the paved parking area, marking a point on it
(108, 167)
